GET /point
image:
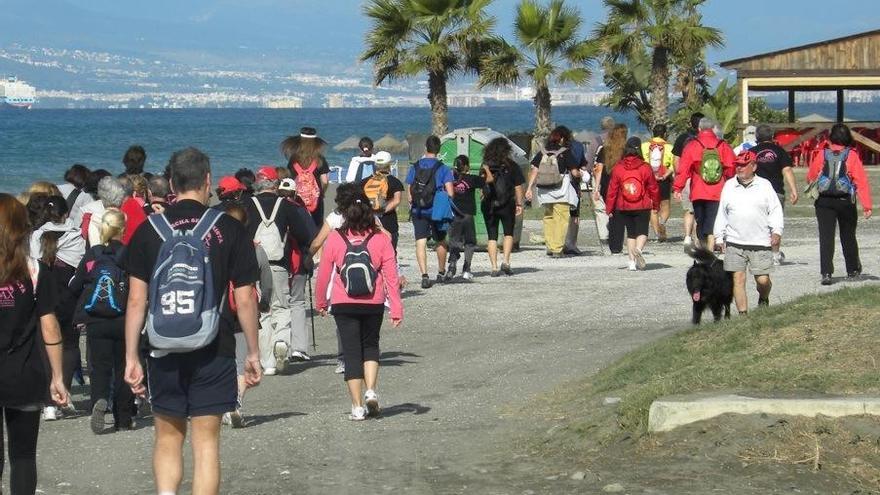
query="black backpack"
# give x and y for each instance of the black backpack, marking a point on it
(501, 190)
(357, 273)
(107, 292)
(425, 185)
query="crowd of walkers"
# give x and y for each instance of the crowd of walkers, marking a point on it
(188, 294)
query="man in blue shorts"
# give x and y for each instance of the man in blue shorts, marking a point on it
(201, 384)
(427, 179)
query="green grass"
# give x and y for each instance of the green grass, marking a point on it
(823, 343)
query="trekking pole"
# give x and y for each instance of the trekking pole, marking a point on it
(312, 313)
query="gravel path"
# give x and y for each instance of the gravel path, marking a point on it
(466, 356)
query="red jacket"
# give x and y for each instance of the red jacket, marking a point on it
(134, 217)
(632, 167)
(689, 167)
(854, 169)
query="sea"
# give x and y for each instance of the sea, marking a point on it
(41, 144)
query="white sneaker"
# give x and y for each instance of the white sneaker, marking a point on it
(372, 402)
(270, 371)
(640, 260)
(467, 276)
(631, 266)
(50, 413)
(340, 367)
(300, 355)
(358, 413)
(236, 418)
(226, 419)
(778, 258)
(688, 241)
(280, 351)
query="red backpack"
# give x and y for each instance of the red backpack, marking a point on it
(631, 186)
(307, 187)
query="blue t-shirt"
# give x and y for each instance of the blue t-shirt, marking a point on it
(442, 177)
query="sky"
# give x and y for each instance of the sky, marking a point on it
(321, 32)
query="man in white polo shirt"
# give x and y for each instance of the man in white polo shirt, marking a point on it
(749, 223)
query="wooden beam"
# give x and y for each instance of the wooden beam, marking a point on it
(804, 137)
(791, 112)
(870, 143)
(825, 82)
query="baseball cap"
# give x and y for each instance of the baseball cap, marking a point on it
(287, 184)
(230, 184)
(746, 157)
(383, 158)
(267, 172)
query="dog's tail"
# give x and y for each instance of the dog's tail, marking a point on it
(700, 254)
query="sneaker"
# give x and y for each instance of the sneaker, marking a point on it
(763, 303)
(97, 419)
(450, 272)
(372, 402)
(300, 356)
(426, 282)
(631, 266)
(358, 413)
(688, 241)
(854, 276)
(226, 419)
(640, 260)
(505, 268)
(50, 413)
(70, 410)
(441, 277)
(826, 279)
(495, 273)
(280, 351)
(236, 418)
(467, 276)
(270, 371)
(340, 367)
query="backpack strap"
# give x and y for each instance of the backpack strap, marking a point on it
(72, 197)
(206, 223)
(161, 226)
(271, 218)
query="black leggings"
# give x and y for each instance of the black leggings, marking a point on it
(106, 342)
(23, 428)
(359, 334)
(831, 212)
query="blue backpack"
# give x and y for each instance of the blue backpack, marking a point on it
(834, 181)
(109, 284)
(184, 312)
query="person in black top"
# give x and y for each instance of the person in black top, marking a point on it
(677, 148)
(387, 212)
(503, 201)
(201, 384)
(775, 165)
(27, 302)
(305, 150)
(284, 332)
(462, 233)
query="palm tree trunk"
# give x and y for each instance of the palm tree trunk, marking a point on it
(659, 86)
(439, 106)
(542, 115)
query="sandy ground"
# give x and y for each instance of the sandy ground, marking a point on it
(453, 383)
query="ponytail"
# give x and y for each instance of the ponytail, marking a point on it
(112, 225)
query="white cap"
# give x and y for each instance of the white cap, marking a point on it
(749, 134)
(383, 158)
(287, 184)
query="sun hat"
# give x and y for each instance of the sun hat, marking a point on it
(230, 184)
(383, 158)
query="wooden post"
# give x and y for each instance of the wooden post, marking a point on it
(743, 101)
(840, 105)
(791, 112)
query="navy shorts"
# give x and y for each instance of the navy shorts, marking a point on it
(425, 228)
(705, 212)
(192, 384)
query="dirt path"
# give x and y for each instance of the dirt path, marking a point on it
(452, 383)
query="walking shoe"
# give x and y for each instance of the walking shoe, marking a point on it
(270, 371)
(125, 427)
(97, 419)
(50, 413)
(450, 272)
(778, 258)
(505, 268)
(688, 241)
(640, 260)
(495, 273)
(340, 367)
(300, 356)
(441, 277)
(763, 303)
(467, 276)
(826, 279)
(372, 402)
(226, 419)
(236, 418)
(280, 351)
(854, 276)
(358, 413)
(631, 266)
(426, 282)
(70, 410)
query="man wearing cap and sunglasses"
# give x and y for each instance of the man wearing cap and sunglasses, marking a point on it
(749, 223)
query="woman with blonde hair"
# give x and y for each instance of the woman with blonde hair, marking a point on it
(309, 168)
(606, 157)
(101, 287)
(39, 187)
(26, 383)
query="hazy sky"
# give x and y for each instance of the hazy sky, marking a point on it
(317, 29)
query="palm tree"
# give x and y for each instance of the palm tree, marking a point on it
(663, 28)
(442, 38)
(549, 48)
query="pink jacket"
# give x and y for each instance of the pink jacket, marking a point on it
(382, 255)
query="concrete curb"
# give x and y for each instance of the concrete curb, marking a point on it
(669, 413)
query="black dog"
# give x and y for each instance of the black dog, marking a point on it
(709, 285)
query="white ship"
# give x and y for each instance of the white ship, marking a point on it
(15, 94)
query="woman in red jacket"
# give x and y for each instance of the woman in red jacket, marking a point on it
(632, 194)
(836, 204)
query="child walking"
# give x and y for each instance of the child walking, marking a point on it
(462, 233)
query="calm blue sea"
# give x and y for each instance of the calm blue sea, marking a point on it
(41, 144)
